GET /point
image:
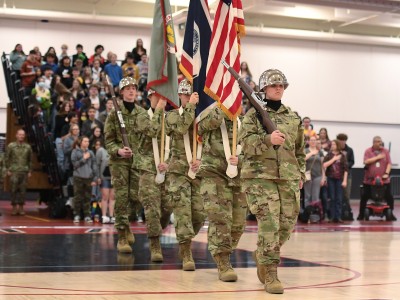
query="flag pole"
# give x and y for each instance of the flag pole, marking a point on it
(234, 136)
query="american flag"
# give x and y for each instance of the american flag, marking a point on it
(196, 45)
(225, 45)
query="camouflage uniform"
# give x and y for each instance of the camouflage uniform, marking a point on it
(187, 202)
(125, 179)
(224, 204)
(270, 178)
(157, 208)
(18, 161)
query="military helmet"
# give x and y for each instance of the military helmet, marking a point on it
(185, 87)
(272, 76)
(127, 81)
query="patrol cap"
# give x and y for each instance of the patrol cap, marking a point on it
(272, 76)
(185, 87)
(127, 81)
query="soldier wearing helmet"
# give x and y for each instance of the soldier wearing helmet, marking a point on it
(183, 188)
(124, 177)
(272, 177)
(157, 208)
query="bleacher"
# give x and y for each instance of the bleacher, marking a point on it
(41, 141)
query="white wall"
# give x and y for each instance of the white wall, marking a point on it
(352, 84)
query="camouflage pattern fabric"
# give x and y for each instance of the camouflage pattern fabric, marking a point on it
(189, 214)
(176, 126)
(270, 178)
(18, 183)
(124, 177)
(156, 204)
(82, 195)
(224, 204)
(18, 161)
(276, 205)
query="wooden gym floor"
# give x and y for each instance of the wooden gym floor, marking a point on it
(42, 258)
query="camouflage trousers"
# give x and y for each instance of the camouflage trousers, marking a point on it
(82, 195)
(226, 210)
(189, 214)
(157, 207)
(18, 182)
(276, 205)
(125, 181)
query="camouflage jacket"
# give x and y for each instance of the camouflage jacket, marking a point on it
(18, 157)
(176, 126)
(213, 160)
(147, 129)
(113, 137)
(260, 158)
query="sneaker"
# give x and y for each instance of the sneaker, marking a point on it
(69, 202)
(77, 219)
(140, 219)
(88, 220)
(112, 220)
(105, 220)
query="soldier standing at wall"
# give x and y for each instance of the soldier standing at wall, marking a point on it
(271, 178)
(223, 202)
(124, 177)
(184, 191)
(18, 165)
(157, 208)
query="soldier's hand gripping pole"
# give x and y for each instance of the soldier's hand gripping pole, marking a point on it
(255, 101)
(121, 122)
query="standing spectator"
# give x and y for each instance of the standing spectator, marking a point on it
(130, 69)
(324, 138)
(348, 152)
(47, 77)
(107, 190)
(324, 185)
(77, 92)
(69, 141)
(96, 71)
(91, 122)
(28, 72)
(308, 130)
(17, 58)
(143, 66)
(52, 51)
(312, 186)
(85, 176)
(65, 72)
(377, 164)
(93, 100)
(64, 49)
(113, 70)
(245, 72)
(87, 76)
(62, 118)
(96, 135)
(335, 163)
(98, 50)
(18, 165)
(138, 51)
(78, 65)
(50, 63)
(104, 114)
(80, 55)
(43, 96)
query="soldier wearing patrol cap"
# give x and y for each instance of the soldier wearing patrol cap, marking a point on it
(124, 177)
(272, 177)
(184, 190)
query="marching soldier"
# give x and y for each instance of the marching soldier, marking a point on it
(157, 208)
(124, 177)
(18, 165)
(272, 179)
(224, 204)
(184, 190)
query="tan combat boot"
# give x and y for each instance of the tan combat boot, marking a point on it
(225, 270)
(14, 211)
(185, 253)
(272, 283)
(123, 245)
(20, 210)
(129, 235)
(155, 249)
(260, 268)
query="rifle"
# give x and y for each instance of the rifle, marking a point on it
(121, 122)
(254, 99)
